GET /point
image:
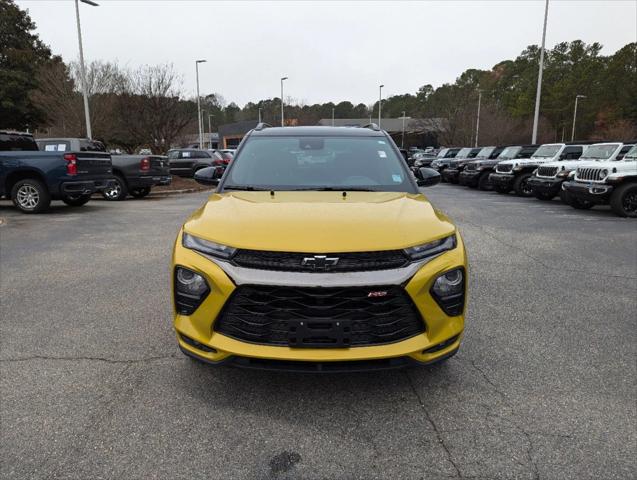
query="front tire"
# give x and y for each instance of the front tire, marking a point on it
(521, 185)
(140, 192)
(118, 192)
(623, 200)
(76, 200)
(483, 182)
(30, 196)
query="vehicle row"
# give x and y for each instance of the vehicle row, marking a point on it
(35, 172)
(582, 174)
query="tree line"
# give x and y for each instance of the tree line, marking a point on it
(147, 106)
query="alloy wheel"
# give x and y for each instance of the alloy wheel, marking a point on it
(28, 197)
(114, 192)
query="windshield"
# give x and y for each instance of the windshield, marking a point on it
(463, 153)
(442, 153)
(547, 151)
(509, 153)
(485, 153)
(318, 163)
(600, 152)
(631, 155)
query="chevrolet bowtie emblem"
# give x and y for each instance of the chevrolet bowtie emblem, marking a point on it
(319, 262)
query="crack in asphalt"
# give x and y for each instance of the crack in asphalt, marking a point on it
(531, 447)
(86, 358)
(538, 260)
(434, 426)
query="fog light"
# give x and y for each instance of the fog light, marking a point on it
(196, 344)
(448, 291)
(449, 283)
(190, 282)
(191, 290)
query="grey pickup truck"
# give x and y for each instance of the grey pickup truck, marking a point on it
(32, 178)
(133, 175)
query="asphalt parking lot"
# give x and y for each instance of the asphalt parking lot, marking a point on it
(93, 386)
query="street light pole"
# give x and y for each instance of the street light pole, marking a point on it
(402, 140)
(380, 101)
(259, 114)
(210, 115)
(87, 114)
(538, 93)
(577, 97)
(197, 62)
(332, 116)
(478, 117)
(282, 119)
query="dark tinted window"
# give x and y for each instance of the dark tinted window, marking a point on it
(526, 152)
(623, 151)
(173, 154)
(572, 153)
(17, 142)
(91, 146)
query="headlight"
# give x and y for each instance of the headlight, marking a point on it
(207, 247)
(604, 174)
(534, 172)
(190, 290)
(448, 291)
(432, 248)
(564, 174)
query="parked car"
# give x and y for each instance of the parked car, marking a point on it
(456, 168)
(604, 182)
(443, 158)
(184, 162)
(423, 159)
(450, 174)
(546, 181)
(390, 293)
(514, 174)
(132, 174)
(135, 175)
(476, 173)
(32, 178)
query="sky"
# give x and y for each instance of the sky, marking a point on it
(331, 51)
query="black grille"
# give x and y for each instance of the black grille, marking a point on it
(347, 262)
(547, 171)
(471, 167)
(319, 317)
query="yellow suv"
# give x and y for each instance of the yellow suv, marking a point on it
(317, 252)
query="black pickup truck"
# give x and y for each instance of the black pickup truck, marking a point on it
(32, 178)
(134, 175)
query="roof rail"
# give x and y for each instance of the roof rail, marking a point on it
(262, 125)
(372, 126)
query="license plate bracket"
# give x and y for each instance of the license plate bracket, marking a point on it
(319, 333)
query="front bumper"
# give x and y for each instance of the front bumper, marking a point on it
(450, 174)
(592, 192)
(469, 177)
(501, 179)
(545, 185)
(204, 343)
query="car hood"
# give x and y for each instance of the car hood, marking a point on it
(319, 221)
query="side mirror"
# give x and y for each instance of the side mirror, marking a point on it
(208, 176)
(427, 177)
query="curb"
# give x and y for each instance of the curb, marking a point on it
(174, 192)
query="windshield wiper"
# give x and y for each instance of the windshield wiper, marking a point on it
(249, 188)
